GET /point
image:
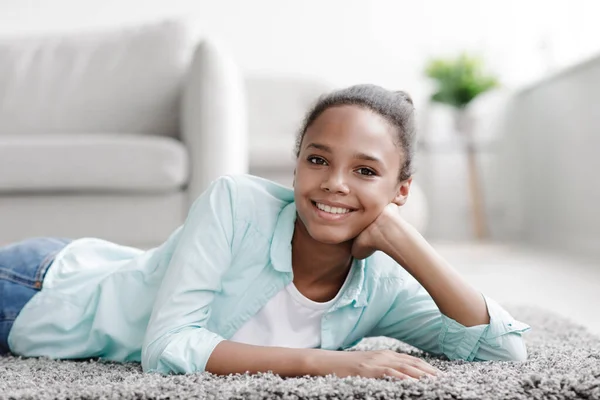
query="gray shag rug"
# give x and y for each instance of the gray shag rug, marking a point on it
(564, 363)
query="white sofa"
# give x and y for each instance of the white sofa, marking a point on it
(114, 133)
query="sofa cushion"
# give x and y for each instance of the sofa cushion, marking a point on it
(122, 163)
(115, 80)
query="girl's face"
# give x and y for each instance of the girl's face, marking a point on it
(346, 173)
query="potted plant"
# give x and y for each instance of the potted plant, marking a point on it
(459, 80)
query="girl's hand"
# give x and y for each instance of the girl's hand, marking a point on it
(373, 237)
(373, 364)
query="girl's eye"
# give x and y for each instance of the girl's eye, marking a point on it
(316, 160)
(366, 171)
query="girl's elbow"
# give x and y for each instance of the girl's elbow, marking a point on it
(515, 351)
(519, 354)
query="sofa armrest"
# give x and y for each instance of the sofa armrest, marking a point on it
(214, 117)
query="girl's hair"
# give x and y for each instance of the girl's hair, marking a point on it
(395, 106)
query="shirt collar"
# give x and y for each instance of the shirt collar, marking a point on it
(281, 259)
(281, 245)
(355, 293)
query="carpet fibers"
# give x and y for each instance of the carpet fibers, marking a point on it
(564, 363)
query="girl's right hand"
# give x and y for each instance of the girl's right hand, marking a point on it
(373, 364)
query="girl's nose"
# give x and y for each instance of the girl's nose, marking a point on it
(335, 183)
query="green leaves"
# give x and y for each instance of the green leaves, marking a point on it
(459, 80)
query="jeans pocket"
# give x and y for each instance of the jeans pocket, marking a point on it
(26, 262)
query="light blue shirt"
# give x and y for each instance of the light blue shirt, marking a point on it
(169, 307)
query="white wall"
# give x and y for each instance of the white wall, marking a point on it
(551, 163)
(380, 41)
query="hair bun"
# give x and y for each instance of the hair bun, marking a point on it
(405, 95)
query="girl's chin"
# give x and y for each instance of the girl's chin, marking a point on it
(331, 237)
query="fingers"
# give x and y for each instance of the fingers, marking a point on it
(413, 366)
(396, 374)
(402, 366)
(428, 368)
(411, 371)
(420, 364)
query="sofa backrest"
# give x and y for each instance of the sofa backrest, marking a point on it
(119, 80)
(277, 105)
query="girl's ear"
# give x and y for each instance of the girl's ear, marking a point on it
(402, 192)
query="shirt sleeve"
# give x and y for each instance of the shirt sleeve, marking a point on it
(177, 340)
(414, 318)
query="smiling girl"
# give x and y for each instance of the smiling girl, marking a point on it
(265, 278)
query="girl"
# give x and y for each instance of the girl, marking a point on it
(264, 278)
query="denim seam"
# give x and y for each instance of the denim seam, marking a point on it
(8, 317)
(16, 278)
(39, 274)
(45, 264)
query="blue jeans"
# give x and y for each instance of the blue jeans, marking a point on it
(23, 266)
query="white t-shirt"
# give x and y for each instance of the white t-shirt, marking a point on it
(289, 319)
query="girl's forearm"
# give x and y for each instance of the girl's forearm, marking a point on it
(231, 358)
(452, 294)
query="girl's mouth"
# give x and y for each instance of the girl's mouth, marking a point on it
(331, 213)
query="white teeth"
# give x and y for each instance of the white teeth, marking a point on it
(332, 210)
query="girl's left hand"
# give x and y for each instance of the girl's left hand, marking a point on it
(373, 237)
